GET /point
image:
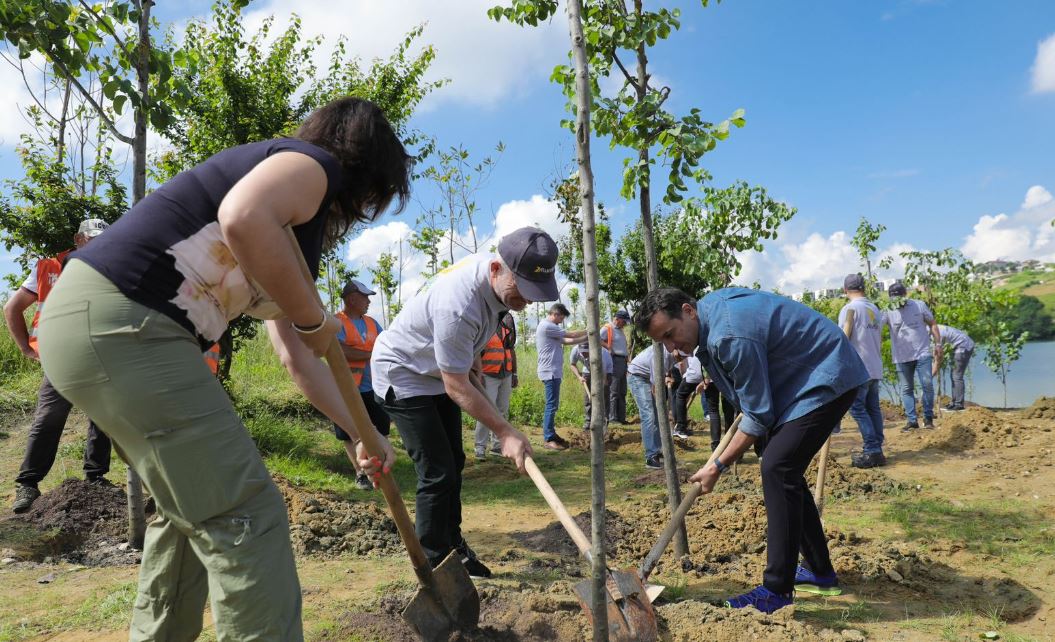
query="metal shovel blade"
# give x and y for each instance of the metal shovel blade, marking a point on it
(449, 604)
(630, 614)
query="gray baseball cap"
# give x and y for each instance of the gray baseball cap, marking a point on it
(92, 227)
(897, 288)
(356, 286)
(854, 282)
(532, 256)
(622, 314)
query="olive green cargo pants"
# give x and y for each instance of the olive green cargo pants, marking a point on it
(222, 530)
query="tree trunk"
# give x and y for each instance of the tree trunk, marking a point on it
(659, 388)
(583, 99)
(136, 516)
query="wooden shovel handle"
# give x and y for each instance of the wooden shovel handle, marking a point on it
(822, 471)
(581, 542)
(350, 393)
(695, 490)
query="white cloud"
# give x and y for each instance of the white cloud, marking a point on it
(1035, 197)
(485, 60)
(538, 212)
(1026, 234)
(1044, 66)
(817, 262)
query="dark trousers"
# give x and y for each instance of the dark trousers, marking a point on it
(48, 421)
(431, 428)
(378, 417)
(587, 402)
(617, 391)
(713, 400)
(794, 525)
(680, 407)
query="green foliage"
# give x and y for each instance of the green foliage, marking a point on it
(387, 284)
(41, 210)
(101, 39)
(1030, 315)
(864, 241)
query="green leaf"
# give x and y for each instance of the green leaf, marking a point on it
(119, 103)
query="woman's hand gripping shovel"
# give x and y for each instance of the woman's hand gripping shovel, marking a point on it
(447, 600)
(650, 561)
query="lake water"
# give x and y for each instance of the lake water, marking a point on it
(1032, 376)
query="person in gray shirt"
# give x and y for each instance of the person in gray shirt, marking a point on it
(580, 367)
(614, 338)
(911, 327)
(550, 339)
(862, 322)
(421, 369)
(641, 376)
(962, 350)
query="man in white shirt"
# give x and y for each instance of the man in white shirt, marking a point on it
(912, 326)
(862, 323)
(550, 340)
(421, 371)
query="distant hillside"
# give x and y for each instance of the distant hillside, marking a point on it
(1034, 282)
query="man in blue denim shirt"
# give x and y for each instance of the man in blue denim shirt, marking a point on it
(793, 374)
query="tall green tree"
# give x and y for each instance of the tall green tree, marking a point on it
(636, 118)
(864, 241)
(244, 88)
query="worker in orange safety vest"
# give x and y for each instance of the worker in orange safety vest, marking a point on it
(499, 369)
(52, 410)
(357, 335)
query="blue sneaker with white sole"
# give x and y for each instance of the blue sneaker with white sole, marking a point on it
(762, 599)
(807, 582)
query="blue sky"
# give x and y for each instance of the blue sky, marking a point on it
(932, 117)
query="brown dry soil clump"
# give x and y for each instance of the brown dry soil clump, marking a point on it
(1042, 408)
(324, 525)
(974, 428)
(77, 522)
(516, 616)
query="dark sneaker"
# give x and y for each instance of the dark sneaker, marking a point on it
(553, 444)
(481, 453)
(472, 564)
(654, 462)
(362, 482)
(561, 440)
(910, 426)
(928, 424)
(102, 482)
(867, 460)
(24, 497)
(807, 582)
(762, 599)
(496, 449)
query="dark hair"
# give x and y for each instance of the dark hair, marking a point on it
(560, 309)
(376, 166)
(667, 300)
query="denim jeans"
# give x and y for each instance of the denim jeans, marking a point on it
(646, 407)
(549, 417)
(865, 410)
(905, 374)
(960, 359)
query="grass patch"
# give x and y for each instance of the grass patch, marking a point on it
(981, 527)
(106, 609)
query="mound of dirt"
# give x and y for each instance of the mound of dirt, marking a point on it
(842, 481)
(580, 439)
(975, 428)
(690, 621)
(1042, 408)
(554, 539)
(77, 522)
(324, 525)
(505, 616)
(891, 411)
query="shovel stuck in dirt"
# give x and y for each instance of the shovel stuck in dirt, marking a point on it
(447, 600)
(630, 614)
(650, 561)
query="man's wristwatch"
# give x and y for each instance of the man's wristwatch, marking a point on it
(720, 466)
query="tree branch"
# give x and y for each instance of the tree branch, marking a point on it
(630, 79)
(104, 25)
(91, 99)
